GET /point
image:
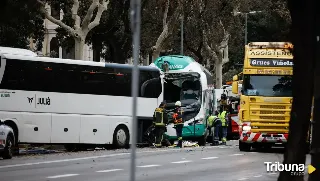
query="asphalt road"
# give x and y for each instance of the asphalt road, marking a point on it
(222, 163)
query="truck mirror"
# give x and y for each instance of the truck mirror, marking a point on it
(235, 87)
(235, 78)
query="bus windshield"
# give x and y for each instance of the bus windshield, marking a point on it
(184, 87)
(267, 85)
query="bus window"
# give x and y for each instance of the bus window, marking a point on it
(150, 85)
(13, 75)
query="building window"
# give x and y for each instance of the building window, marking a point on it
(55, 11)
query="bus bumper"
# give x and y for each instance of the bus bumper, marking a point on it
(249, 137)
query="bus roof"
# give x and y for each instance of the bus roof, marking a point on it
(78, 62)
(17, 51)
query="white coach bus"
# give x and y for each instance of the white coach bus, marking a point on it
(74, 102)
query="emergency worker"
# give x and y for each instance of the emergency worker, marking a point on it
(160, 119)
(178, 122)
(224, 124)
(215, 125)
(223, 102)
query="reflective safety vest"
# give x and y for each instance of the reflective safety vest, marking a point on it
(223, 119)
(211, 120)
(159, 116)
(177, 117)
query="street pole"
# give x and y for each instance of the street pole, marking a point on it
(135, 8)
(182, 18)
(246, 29)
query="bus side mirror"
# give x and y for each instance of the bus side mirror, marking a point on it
(235, 87)
(235, 78)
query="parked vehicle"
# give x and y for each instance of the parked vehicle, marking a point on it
(6, 141)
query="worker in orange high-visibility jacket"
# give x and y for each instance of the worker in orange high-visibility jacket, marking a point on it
(178, 122)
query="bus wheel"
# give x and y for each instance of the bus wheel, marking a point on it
(121, 137)
(244, 146)
(8, 152)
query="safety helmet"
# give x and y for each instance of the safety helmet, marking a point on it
(178, 103)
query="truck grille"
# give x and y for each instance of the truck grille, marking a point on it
(272, 112)
(273, 117)
(270, 118)
(272, 107)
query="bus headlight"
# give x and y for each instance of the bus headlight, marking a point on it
(246, 128)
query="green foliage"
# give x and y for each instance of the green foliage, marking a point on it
(19, 21)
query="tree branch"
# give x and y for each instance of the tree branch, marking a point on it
(55, 21)
(226, 36)
(75, 15)
(161, 39)
(212, 53)
(101, 8)
(88, 17)
(165, 14)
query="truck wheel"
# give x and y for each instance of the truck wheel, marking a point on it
(121, 137)
(244, 146)
(8, 150)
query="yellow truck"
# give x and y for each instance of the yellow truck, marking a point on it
(266, 95)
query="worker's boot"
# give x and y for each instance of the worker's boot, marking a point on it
(215, 141)
(168, 142)
(224, 141)
(179, 144)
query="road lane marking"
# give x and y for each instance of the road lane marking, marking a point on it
(111, 170)
(257, 176)
(185, 161)
(64, 160)
(209, 158)
(237, 154)
(65, 175)
(83, 158)
(243, 179)
(273, 173)
(147, 166)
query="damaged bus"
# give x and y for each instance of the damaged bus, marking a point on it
(187, 81)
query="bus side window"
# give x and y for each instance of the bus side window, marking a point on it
(122, 82)
(153, 88)
(66, 78)
(13, 75)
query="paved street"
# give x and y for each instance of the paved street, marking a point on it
(223, 163)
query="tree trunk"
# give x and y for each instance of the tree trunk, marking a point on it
(218, 67)
(315, 147)
(156, 54)
(303, 39)
(78, 48)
